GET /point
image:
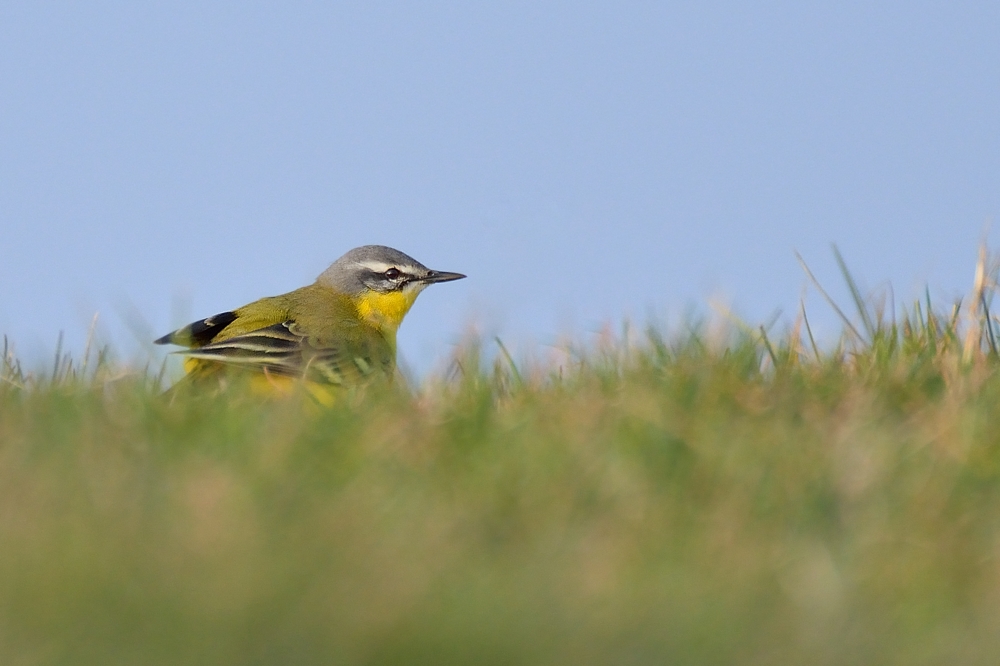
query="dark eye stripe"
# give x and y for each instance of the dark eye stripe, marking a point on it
(392, 273)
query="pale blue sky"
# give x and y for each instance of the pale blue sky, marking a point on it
(580, 161)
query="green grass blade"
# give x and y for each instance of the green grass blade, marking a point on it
(859, 301)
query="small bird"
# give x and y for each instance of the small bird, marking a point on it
(340, 330)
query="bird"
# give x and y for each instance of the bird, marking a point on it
(339, 331)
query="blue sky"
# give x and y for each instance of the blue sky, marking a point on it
(581, 162)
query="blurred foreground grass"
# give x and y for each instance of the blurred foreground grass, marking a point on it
(721, 496)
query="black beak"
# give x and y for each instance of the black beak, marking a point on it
(441, 276)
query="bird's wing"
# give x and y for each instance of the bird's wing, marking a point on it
(260, 314)
(285, 349)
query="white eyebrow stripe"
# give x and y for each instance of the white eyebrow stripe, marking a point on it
(382, 267)
(377, 266)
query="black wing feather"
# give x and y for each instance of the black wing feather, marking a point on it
(199, 333)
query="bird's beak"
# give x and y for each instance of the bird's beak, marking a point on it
(441, 276)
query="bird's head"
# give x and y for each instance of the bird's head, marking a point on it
(382, 282)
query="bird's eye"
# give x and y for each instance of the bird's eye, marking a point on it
(392, 273)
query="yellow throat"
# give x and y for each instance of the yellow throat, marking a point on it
(386, 311)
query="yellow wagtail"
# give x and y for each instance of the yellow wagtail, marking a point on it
(340, 330)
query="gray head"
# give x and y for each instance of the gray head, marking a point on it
(381, 269)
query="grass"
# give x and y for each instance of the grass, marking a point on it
(698, 497)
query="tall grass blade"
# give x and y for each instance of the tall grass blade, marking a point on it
(510, 362)
(768, 347)
(57, 364)
(833, 304)
(859, 301)
(812, 340)
(990, 339)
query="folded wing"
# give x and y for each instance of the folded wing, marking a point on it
(286, 350)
